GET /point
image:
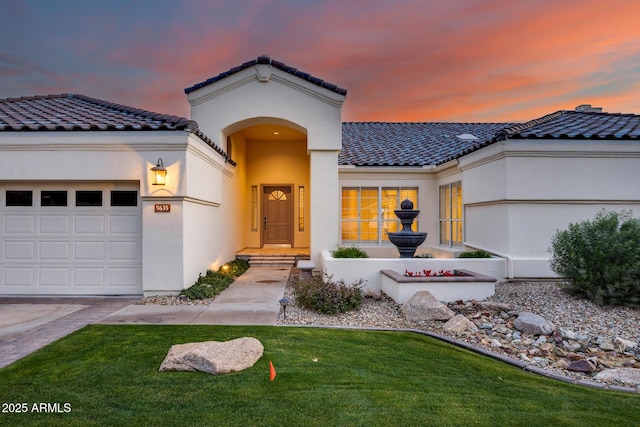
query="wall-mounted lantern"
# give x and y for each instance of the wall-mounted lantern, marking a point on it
(159, 174)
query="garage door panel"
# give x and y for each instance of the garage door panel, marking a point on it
(121, 276)
(124, 224)
(89, 224)
(89, 251)
(89, 276)
(54, 224)
(19, 224)
(19, 277)
(53, 276)
(54, 251)
(124, 251)
(19, 251)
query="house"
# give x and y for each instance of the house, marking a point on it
(265, 161)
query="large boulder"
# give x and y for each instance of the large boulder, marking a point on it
(423, 306)
(214, 357)
(531, 323)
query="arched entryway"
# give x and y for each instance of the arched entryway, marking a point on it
(272, 158)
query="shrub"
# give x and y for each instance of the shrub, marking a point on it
(349, 252)
(324, 295)
(475, 254)
(237, 267)
(209, 285)
(423, 256)
(214, 282)
(600, 259)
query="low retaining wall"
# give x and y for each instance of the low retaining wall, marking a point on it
(444, 288)
(353, 269)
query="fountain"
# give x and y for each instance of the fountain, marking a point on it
(407, 240)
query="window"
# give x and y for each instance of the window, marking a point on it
(88, 198)
(53, 198)
(19, 198)
(451, 214)
(301, 208)
(124, 198)
(368, 212)
(254, 208)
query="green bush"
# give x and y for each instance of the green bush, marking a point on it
(326, 296)
(349, 252)
(237, 267)
(214, 282)
(600, 259)
(474, 254)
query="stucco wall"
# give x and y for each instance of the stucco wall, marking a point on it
(176, 246)
(545, 186)
(265, 95)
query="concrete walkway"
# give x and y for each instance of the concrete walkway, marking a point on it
(253, 299)
(28, 324)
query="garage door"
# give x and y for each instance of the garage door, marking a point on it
(70, 239)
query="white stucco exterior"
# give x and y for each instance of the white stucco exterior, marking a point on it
(175, 246)
(519, 193)
(261, 95)
(261, 128)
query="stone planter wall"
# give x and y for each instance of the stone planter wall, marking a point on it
(445, 288)
(352, 269)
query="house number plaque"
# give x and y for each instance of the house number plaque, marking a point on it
(162, 207)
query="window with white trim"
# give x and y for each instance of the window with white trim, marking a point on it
(368, 212)
(451, 214)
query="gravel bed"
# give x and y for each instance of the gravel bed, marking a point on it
(546, 299)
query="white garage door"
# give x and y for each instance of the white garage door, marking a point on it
(70, 239)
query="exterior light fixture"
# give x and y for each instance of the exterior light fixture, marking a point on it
(159, 173)
(284, 302)
(225, 268)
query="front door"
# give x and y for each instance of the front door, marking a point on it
(277, 205)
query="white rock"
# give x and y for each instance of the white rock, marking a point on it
(630, 376)
(625, 345)
(531, 323)
(457, 324)
(214, 357)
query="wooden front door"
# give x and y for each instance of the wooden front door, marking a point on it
(277, 206)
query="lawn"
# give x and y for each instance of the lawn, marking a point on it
(108, 375)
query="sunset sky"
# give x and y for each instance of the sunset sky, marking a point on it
(400, 60)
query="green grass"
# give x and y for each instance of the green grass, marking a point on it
(109, 375)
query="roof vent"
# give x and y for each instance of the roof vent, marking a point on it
(467, 137)
(587, 108)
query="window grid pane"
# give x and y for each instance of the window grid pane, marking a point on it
(450, 209)
(368, 213)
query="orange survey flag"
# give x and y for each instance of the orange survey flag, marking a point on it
(272, 371)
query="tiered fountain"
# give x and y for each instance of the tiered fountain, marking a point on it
(407, 240)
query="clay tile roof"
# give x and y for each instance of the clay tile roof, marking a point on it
(411, 144)
(577, 125)
(79, 112)
(420, 144)
(264, 59)
(71, 112)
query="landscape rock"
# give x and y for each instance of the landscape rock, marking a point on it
(625, 345)
(534, 324)
(214, 357)
(630, 376)
(423, 306)
(606, 343)
(583, 365)
(494, 306)
(458, 323)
